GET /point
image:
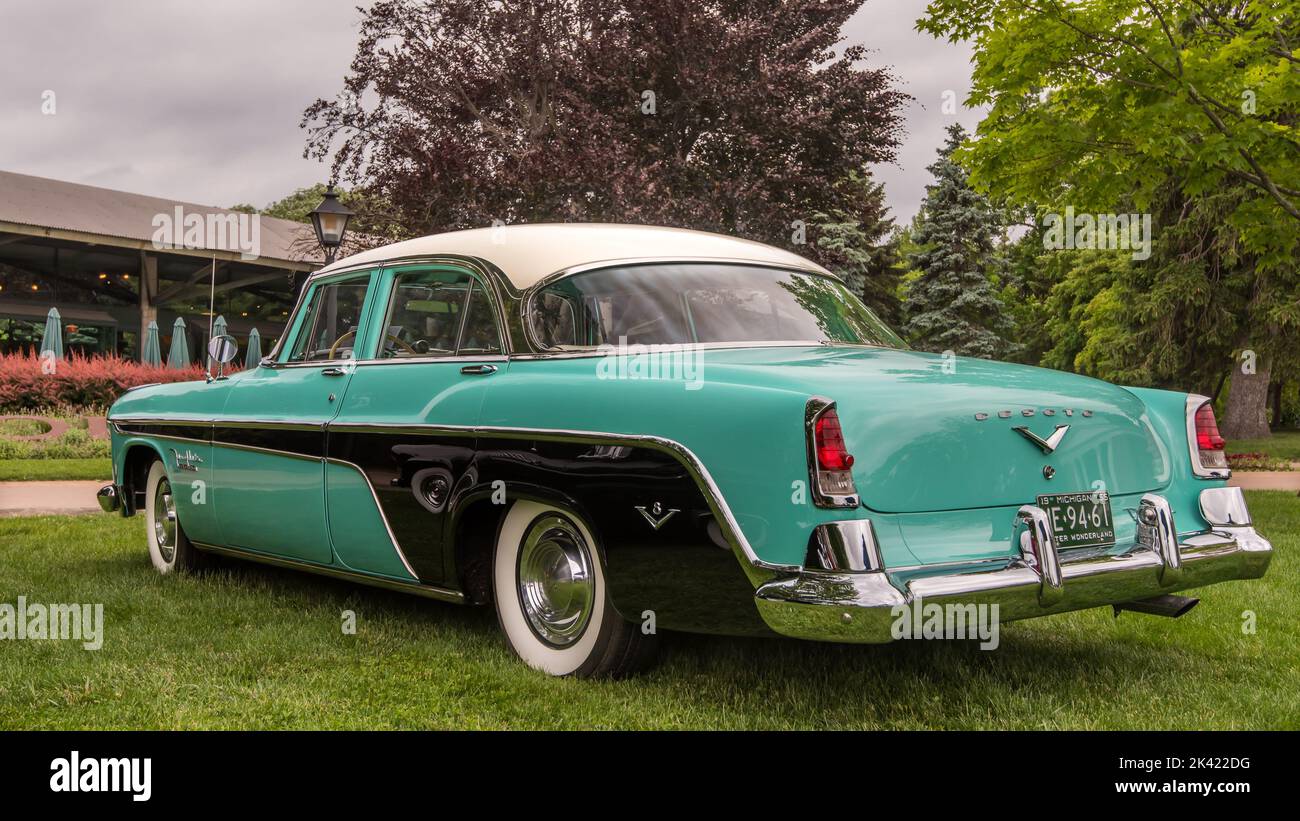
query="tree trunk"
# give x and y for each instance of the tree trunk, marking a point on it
(1277, 404)
(1246, 414)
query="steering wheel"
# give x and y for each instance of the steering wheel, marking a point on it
(353, 332)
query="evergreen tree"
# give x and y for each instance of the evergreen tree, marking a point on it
(862, 247)
(952, 304)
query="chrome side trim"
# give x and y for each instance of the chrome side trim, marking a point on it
(596, 353)
(168, 438)
(703, 479)
(380, 508)
(1225, 507)
(415, 588)
(266, 424)
(255, 449)
(1194, 401)
(1038, 546)
(1156, 530)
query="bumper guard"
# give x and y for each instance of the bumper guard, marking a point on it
(856, 600)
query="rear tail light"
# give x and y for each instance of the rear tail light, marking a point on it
(830, 462)
(1208, 458)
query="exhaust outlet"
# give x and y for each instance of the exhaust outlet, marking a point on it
(1167, 605)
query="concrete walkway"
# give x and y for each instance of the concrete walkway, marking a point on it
(1266, 480)
(48, 498)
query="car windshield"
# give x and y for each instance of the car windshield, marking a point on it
(702, 303)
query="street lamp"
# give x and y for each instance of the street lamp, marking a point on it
(330, 219)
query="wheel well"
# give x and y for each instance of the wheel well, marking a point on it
(475, 538)
(135, 474)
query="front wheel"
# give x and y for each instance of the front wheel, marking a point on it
(169, 549)
(552, 601)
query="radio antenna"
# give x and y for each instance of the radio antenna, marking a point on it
(212, 311)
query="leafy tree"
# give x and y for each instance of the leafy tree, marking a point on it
(373, 219)
(862, 247)
(1101, 102)
(952, 304)
(709, 114)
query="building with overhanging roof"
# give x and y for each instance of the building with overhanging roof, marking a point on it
(112, 262)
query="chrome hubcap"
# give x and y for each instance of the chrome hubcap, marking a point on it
(556, 584)
(164, 521)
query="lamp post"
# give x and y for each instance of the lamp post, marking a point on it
(330, 220)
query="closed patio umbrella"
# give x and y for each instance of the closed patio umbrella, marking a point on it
(218, 329)
(151, 353)
(52, 338)
(178, 358)
(254, 353)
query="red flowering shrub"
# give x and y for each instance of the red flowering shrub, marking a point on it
(77, 382)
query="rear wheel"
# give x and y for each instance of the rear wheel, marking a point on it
(169, 549)
(552, 601)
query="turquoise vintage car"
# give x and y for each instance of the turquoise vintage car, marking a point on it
(609, 431)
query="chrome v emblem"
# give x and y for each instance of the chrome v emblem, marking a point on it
(656, 515)
(1049, 444)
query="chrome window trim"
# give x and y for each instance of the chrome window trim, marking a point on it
(1194, 402)
(502, 335)
(413, 360)
(502, 290)
(270, 359)
(526, 302)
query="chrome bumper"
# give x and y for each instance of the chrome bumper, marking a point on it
(110, 498)
(851, 605)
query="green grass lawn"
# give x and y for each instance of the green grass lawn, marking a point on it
(247, 646)
(27, 470)
(1282, 444)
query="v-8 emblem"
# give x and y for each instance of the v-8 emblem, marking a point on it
(656, 515)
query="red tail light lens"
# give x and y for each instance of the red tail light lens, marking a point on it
(1207, 429)
(831, 452)
(1209, 444)
(831, 463)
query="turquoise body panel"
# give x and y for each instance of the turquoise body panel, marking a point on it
(356, 528)
(910, 425)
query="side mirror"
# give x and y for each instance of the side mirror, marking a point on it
(223, 349)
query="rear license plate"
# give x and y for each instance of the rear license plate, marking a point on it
(1080, 519)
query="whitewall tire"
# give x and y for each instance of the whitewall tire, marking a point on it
(169, 549)
(548, 583)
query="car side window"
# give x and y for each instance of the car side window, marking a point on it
(330, 321)
(479, 332)
(438, 313)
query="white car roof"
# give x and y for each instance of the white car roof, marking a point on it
(529, 253)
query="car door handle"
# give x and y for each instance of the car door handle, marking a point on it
(333, 372)
(478, 370)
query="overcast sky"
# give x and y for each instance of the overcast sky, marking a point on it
(200, 101)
